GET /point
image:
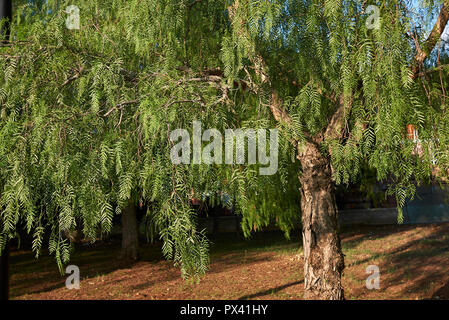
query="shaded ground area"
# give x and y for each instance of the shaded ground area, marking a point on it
(412, 260)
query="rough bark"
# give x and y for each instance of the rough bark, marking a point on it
(130, 235)
(323, 258)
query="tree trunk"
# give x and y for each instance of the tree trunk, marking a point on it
(4, 274)
(130, 235)
(323, 258)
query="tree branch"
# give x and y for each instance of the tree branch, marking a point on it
(74, 77)
(335, 126)
(433, 70)
(426, 48)
(120, 106)
(261, 70)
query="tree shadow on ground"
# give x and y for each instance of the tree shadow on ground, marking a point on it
(232, 252)
(409, 261)
(270, 291)
(413, 269)
(228, 251)
(353, 236)
(30, 275)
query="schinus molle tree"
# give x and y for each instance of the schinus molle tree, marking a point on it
(345, 92)
(86, 115)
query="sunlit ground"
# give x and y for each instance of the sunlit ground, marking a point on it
(412, 261)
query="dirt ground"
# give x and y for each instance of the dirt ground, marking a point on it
(413, 263)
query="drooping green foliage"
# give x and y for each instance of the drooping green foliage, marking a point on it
(85, 115)
(317, 51)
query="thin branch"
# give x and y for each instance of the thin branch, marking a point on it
(426, 48)
(74, 77)
(168, 104)
(334, 127)
(193, 3)
(120, 106)
(433, 70)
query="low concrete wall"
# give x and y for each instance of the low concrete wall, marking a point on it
(220, 224)
(430, 206)
(226, 224)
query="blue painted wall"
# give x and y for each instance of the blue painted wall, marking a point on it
(431, 205)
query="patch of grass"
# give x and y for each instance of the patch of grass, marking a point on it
(270, 241)
(431, 242)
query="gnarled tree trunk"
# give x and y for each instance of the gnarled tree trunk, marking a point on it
(323, 258)
(130, 235)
